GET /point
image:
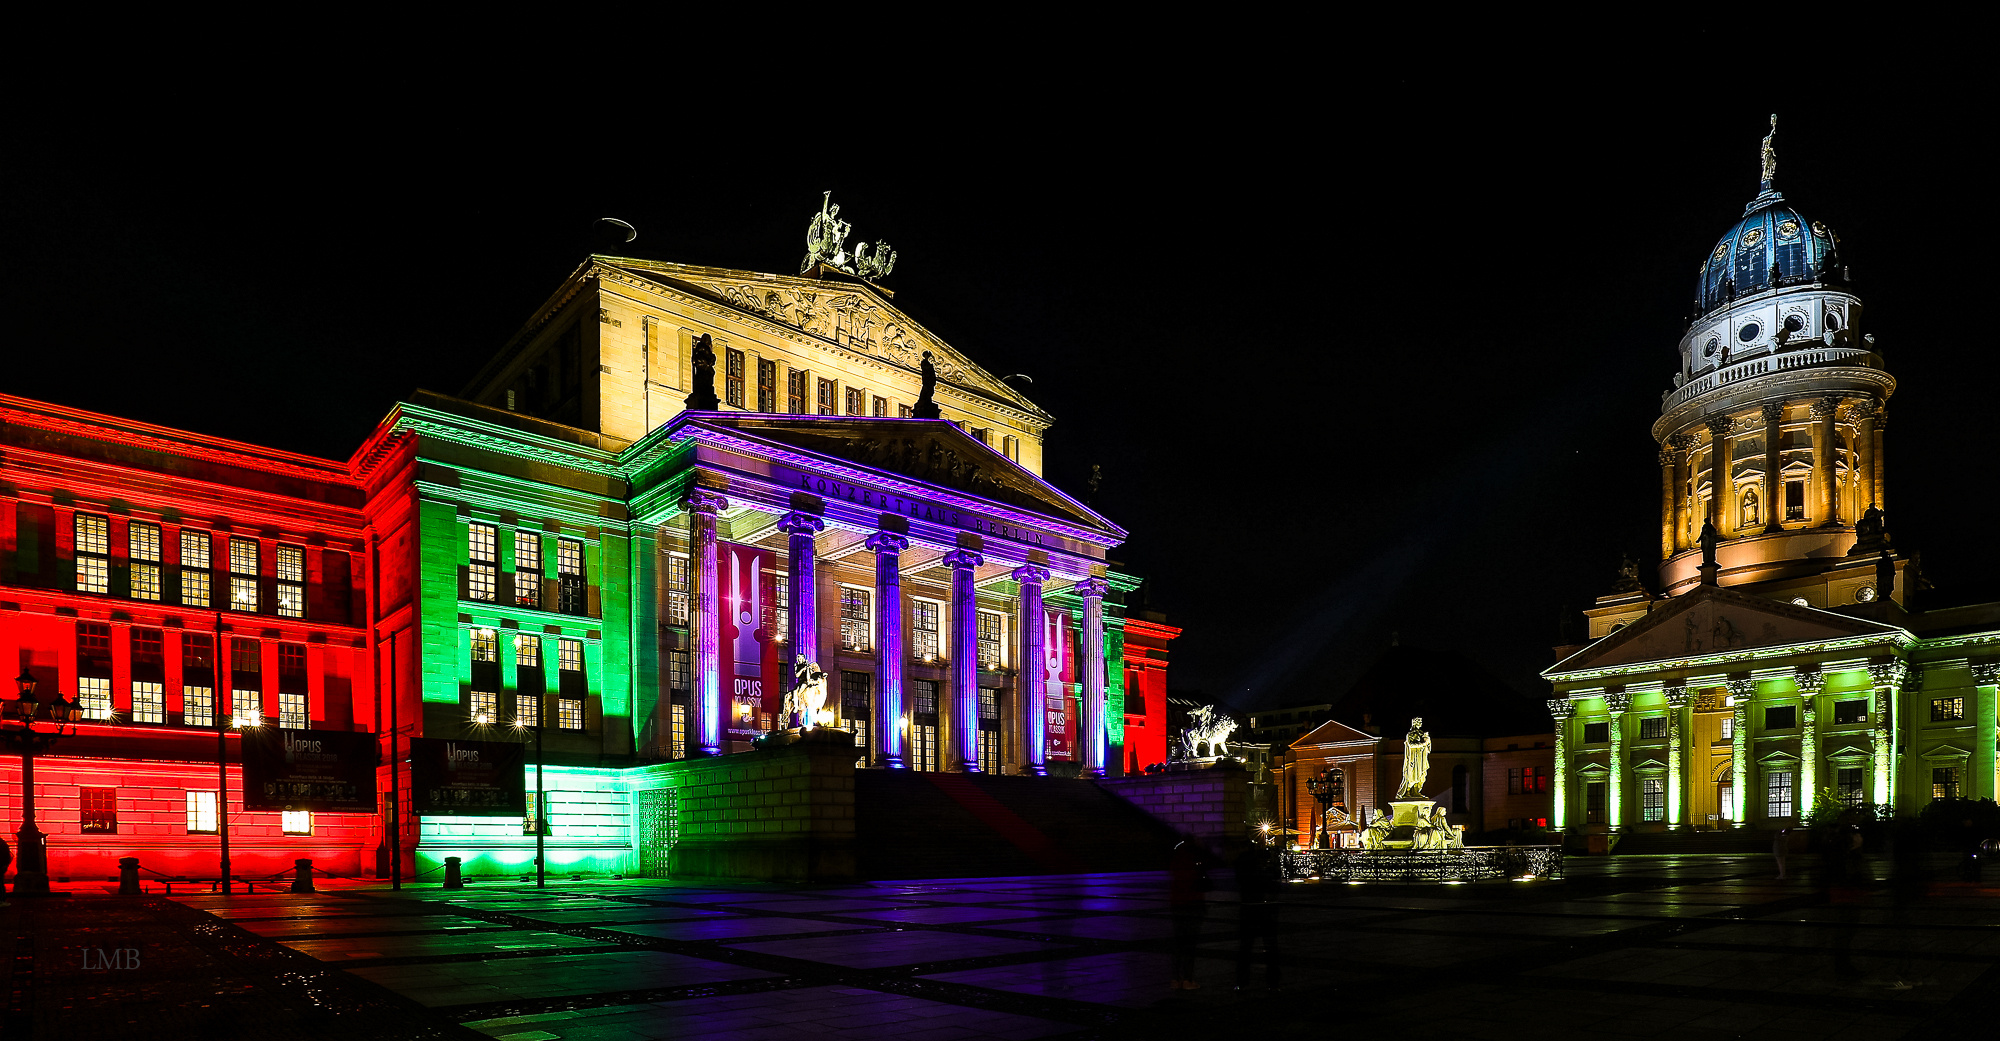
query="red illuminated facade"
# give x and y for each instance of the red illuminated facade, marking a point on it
(170, 582)
(1146, 731)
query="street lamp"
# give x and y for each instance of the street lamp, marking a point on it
(31, 878)
(1326, 790)
(541, 810)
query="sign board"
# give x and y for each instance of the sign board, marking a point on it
(468, 778)
(1058, 672)
(748, 610)
(326, 771)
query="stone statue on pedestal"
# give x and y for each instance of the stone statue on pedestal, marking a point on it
(1416, 760)
(702, 398)
(925, 408)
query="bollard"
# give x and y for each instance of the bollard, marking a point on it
(302, 882)
(452, 879)
(128, 876)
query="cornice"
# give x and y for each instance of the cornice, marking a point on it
(517, 443)
(1801, 383)
(1899, 640)
(168, 441)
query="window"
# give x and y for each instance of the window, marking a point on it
(528, 569)
(291, 582)
(1653, 799)
(989, 751)
(857, 401)
(856, 712)
(243, 575)
(1795, 500)
(1729, 728)
(924, 699)
(97, 810)
(767, 386)
(678, 748)
(93, 549)
(924, 629)
(1652, 727)
(680, 672)
(1847, 784)
(292, 712)
(796, 382)
(569, 713)
(989, 705)
(677, 589)
(201, 813)
(485, 645)
(572, 594)
(854, 619)
(483, 706)
(1534, 780)
(989, 641)
(533, 823)
(1947, 709)
(482, 541)
(527, 710)
(194, 568)
(905, 412)
(292, 668)
(983, 435)
(1593, 802)
(1010, 446)
(1850, 712)
(1781, 717)
(1944, 782)
(93, 649)
(828, 406)
(93, 697)
(197, 706)
(295, 822)
(149, 657)
(569, 655)
(881, 410)
(143, 546)
(1596, 733)
(149, 702)
(1778, 793)
(923, 725)
(527, 651)
(781, 599)
(732, 387)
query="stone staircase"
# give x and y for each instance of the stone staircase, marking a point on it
(946, 825)
(1687, 841)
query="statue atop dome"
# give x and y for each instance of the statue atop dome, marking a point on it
(1770, 156)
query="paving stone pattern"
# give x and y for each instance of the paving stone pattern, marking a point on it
(1681, 947)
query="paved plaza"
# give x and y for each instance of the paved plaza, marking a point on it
(1687, 947)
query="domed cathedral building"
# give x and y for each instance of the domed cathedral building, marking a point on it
(1787, 658)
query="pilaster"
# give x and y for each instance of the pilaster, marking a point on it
(1823, 410)
(1740, 694)
(1986, 686)
(1619, 703)
(1561, 709)
(1774, 507)
(1888, 679)
(1811, 684)
(1677, 703)
(1721, 496)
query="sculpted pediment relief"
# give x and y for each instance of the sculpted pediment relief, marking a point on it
(1711, 621)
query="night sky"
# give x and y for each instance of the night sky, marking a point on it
(1357, 357)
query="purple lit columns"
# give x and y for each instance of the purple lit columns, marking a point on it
(702, 506)
(1092, 591)
(965, 654)
(889, 547)
(1033, 671)
(802, 628)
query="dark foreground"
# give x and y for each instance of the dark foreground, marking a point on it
(1681, 947)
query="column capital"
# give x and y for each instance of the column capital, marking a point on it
(1031, 574)
(888, 542)
(1774, 411)
(1824, 407)
(1669, 456)
(1677, 697)
(963, 560)
(704, 501)
(1682, 441)
(1986, 674)
(1889, 674)
(1741, 689)
(1561, 708)
(1618, 702)
(1810, 681)
(1719, 426)
(799, 522)
(1092, 588)
(1863, 411)
(1881, 416)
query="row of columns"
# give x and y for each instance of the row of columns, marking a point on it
(1676, 467)
(803, 529)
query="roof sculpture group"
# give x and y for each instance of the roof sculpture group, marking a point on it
(826, 238)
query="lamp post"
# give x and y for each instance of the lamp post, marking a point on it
(1325, 789)
(541, 811)
(31, 878)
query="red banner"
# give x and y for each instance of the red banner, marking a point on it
(750, 637)
(1058, 671)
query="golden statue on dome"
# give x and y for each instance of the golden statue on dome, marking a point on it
(1770, 154)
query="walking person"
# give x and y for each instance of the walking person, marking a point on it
(1780, 845)
(1257, 911)
(1187, 882)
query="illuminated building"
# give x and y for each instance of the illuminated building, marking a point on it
(120, 543)
(1804, 662)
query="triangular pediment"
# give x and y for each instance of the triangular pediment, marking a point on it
(931, 451)
(1333, 732)
(843, 311)
(1711, 624)
(1849, 752)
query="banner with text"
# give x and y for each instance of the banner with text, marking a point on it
(748, 606)
(468, 778)
(326, 771)
(1058, 672)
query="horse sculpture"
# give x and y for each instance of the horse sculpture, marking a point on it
(808, 694)
(1207, 734)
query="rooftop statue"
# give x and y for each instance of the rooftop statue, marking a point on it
(1207, 735)
(926, 407)
(826, 238)
(702, 398)
(1416, 760)
(1770, 155)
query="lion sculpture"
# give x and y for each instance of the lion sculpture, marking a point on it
(1207, 734)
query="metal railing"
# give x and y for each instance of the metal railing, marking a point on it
(1469, 864)
(1758, 366)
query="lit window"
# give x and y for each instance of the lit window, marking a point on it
(485, 707)
(149, 702)
(1947, 709)
(569, 713)
(881, 407)
(856, 710)
(527, 651)
(854, 619)
(198, 706)
(678, 748)
(857, 400)
(1850, 712)
(733, 372)
(243, 575)
(201, 813)
(291, 582)
(767, 385)
(989, 705)
(828, 405)
(527, 710)
(528, 569)
(1653, 799)
(296, 822)
(569, 655)
(1653, 726)
(194, 568)
(484, 566)
(677, 589)
(93, 546)
(1944, 782)
(93, 697)
(1778, 794)
(143, 546)
(989, 640)
(97, 810)
(249, 707)
(904, 412)
(292, 712)
(796, 383)
(989, 751)
(679, 672)
(1729, 728)
(571, 591)
(924, 629)
(485, 645)
(1847, 783)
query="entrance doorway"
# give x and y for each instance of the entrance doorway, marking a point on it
(656, 821)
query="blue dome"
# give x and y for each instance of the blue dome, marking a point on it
(1772, 245)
